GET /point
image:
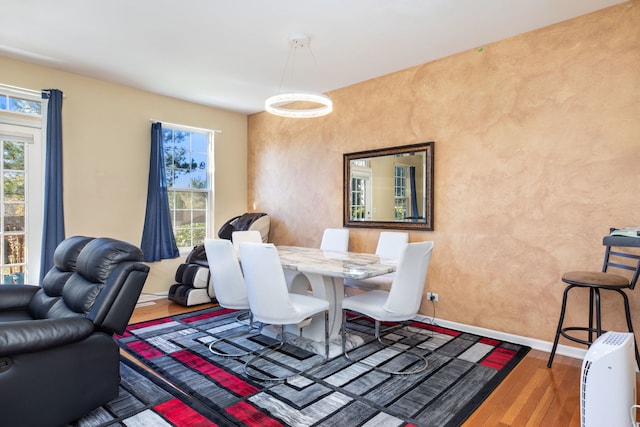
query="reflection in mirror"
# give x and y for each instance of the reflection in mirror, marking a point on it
(389, 188)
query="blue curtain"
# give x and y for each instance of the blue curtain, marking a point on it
(158, 241)
(414, 197)
(53, 214)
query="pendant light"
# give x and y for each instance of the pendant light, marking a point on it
(276, 104)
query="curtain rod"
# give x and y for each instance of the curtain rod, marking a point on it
(186, 126)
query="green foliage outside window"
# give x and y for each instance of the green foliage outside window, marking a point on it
(20, 105)
(186, 166)
(13, 211)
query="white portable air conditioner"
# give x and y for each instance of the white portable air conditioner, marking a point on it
(608, 381)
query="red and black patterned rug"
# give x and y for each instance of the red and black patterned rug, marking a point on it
(463, 370)
(145, 400)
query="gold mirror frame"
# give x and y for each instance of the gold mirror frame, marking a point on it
(425, 220)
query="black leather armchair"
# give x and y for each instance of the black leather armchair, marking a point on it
(58, 358)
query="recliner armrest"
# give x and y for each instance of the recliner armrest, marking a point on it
(13, 297)
(25, 336)
(115, 303)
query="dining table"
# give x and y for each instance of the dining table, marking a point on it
(321, 273)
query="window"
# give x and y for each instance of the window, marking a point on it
(20, 104)
(358, 198)
(21, 153)
(20, 203)
(187, 154)
(360, 193)
(401, 193)
(12, 179)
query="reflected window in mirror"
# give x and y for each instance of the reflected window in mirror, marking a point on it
(389, 188)
(401, 192)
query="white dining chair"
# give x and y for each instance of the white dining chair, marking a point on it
(399, 304)
(238, 237)
(271, 302)
(335, 239)
(229, 286)
(391, 245)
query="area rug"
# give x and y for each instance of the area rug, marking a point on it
(463, 370)
(145, 400)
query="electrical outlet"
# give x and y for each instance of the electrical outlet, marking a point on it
(432, 297)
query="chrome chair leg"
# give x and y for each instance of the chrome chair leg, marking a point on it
(268, 350)
(240, 318)
(423, 366)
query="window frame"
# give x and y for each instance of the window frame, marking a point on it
(10, 97)
(401, 191)
(173, 190)
(31, 127)
(360, 189)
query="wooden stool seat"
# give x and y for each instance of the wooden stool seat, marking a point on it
(595, 278)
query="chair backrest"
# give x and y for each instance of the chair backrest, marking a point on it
(252, 236)
(226, 276)
(266, 285)
(64, 265)
(335, 239)
(105, 284)
(406, 290)
(628, 260)
(391, 244)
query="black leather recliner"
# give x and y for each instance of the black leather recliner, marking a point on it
(58, 358)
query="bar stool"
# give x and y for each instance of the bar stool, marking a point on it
(601, 281)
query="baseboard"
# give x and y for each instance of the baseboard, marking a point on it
(147, 298)
(564, 350)
(156, 295)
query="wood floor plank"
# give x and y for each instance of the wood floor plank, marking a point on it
(539, 407)
(527, 399)
(564, 404)
(548, 397)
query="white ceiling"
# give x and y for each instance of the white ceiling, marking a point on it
(232, 54)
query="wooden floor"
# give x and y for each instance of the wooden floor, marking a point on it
(531, 395)
(162, 308)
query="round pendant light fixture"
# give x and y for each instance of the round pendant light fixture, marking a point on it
(276, 104)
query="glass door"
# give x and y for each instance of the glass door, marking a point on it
(20, 203)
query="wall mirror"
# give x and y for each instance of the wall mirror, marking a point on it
(389, 188)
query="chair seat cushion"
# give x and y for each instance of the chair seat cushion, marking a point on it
(304, 306)
(372, 304)
(595, 278)
(13, 315)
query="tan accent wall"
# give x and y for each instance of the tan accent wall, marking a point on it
(106, 143)
(537, 154)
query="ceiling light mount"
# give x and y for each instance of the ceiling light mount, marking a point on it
(298, 40)
(276, 104)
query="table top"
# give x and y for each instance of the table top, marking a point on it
(348, 265)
